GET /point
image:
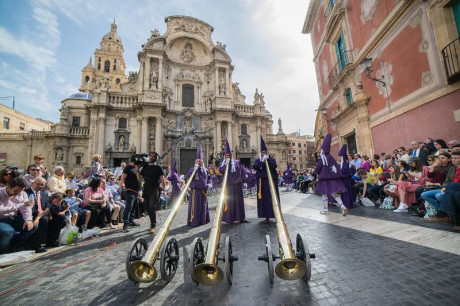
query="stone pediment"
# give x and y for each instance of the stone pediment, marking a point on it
(188, 75)
(184, 26)
(220, 54)
(157, 44)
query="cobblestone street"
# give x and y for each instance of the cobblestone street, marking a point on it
(356, 267)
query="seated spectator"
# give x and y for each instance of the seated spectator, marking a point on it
(445, 209)
(406, 189)
(70, 181)
(440, 146)
(367, 181)
(424, 153)
(33, 172)
(402, 154)
(56, 183)
(164, 199)
(93, 198)
(376, 191)
(40, 214)
(356, 162)
(366, 165)
(58, 209)
(115, 189)
(75, 209)
(6, 175)
(111, 210)
(452, 143)
(16, 225)
(375, 169)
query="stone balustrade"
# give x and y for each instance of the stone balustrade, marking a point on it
(79, 131)
(120, 101)
(244, 109)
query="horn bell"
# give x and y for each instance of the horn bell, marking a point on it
(143, 272)
(208, 274)
(292, 268)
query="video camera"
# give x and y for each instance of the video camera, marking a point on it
(140, 159)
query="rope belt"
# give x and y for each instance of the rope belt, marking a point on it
(259, 195)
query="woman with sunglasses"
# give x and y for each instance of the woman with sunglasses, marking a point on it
(6, 175)
(40, 162)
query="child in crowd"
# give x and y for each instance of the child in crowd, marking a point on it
(75, 209)
(58, 210)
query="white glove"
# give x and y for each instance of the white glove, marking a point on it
(227, 160)
(196, 166)
(264, 158)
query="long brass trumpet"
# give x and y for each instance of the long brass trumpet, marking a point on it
(203, 267)
(293, 265)
(141, 260)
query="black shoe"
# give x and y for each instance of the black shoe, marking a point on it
(125, 228)
(114, 222)
(41, 250)
(134, 224)
(53, 244)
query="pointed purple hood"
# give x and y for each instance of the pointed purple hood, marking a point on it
(173, 167)
(326, 146)
(263, 147)
(199, 154)
(227, 147)
(343, 152)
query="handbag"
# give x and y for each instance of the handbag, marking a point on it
(387, 203)
(367, 202)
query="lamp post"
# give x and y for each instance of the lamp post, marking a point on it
(366, 64)
(7, 98)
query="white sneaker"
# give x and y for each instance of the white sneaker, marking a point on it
(324, 212)
(402, 208)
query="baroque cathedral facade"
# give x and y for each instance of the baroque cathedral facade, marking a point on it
(181, 97)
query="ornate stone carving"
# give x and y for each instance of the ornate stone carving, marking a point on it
(167, 96)
(154, 34)
(208, 125)
(121, 143)
(187, 54)
(208, 74)
(424, 46)
(207, 100)
(167, 68)
(188, 124)
(222, 86)
(385, 71)
(59, 154)
(169, 123)
(236, 88)
(152, 97)
(427, 78)
(415, 20)
(219, 45)
(189, 26)
(154, 79)
(190, 75)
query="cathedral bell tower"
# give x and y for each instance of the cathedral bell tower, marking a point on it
(108, 71)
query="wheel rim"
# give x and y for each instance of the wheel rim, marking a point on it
(228, 260)
(268, 250)
(169, 259)
(303, 254)
(197, 256)
(135, 253)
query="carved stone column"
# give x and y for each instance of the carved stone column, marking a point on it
(144, 134)
(147, 74)
(158, 136)
(140, 81)
(160, 74)
(101, 132)
(218, 139)
(208, 152)
(230, 135)
(138, 135)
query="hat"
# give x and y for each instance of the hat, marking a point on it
(343, 151)
(263, 147)
(227, 147)
(173, 167)
(199, 153)
(326, 146)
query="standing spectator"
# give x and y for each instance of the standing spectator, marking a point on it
(153, 175)
(33, 172)
(119, 171)
(15, 215)
(96, 167)
(440, 146)
(6, 175)
(132, 186)
(40, 212)
(57, 183)
(40, 162)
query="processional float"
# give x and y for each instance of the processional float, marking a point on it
(141, 259)
(203, 265)
(294, 264)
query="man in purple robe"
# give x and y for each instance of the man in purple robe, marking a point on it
(348, 196)
(234, 205)
(174, 178)
(287, 175)
(198, 213)
(264, 199)
(329, 176)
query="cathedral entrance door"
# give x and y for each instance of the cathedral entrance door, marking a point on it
(187, 159)
(246, 162)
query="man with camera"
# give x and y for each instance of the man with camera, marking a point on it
(153, 175)
(130, 181)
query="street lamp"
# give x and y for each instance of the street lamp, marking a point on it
(367, 66)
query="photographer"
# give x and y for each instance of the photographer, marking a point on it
(152, 175)
(129, 180)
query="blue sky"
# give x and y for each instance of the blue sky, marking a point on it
(44, 44)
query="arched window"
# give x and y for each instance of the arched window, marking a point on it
(114, 67)
(244, 129)
(99, 66)
(117, 81)
(115, 61)
(87, 79)
(188, 95)
(107, 66)
(122, 123)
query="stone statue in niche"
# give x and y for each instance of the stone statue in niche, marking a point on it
(154, 79)
(132, 78)
(208, 95)
(106, 82)
(187, 54)
(167, 96)
(154, 34)
(151, 145)
(222, 86)
(245, 144)
(152, 131)
(256, 96)
(59, 154)
(188, 124)
(121, 143)
(223, 131)
(262, 101)
(279, 124)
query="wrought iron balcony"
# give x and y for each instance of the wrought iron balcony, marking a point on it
(450, 55)
(345, 60)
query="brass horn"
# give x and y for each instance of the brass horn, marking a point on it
(204, 267)
(141, 259)
(293, 265)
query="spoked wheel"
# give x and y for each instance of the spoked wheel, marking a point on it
(303, 254)
(169, 259)
(268, 250)
(229, 259)
(197, 256)
(135, 253)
